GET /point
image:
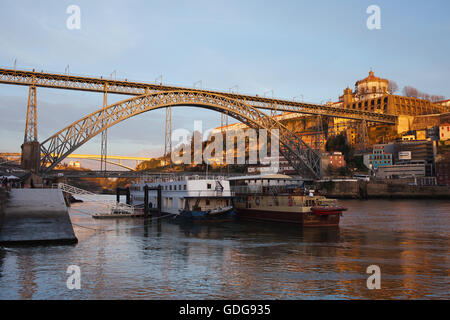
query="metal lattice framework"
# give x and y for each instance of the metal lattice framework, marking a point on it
(53, 150)
(31, 121)
(93, 84)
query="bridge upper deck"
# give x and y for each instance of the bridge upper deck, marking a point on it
(95, 84)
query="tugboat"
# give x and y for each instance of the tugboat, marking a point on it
(192, 198)
(280, 198)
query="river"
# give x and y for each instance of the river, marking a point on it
(158, 259)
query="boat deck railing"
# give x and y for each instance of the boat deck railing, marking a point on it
(264, 190)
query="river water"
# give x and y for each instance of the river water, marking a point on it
(158, 259)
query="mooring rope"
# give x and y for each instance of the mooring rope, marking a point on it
(99, 230)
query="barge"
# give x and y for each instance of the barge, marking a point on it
(280, 198)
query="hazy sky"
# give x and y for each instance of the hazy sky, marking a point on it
(309, 48)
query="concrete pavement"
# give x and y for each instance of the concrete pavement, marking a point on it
(36, 216)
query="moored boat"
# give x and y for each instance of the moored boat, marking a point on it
(193, 198)
(279, 198)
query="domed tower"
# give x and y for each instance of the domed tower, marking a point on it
(371, 87)
(348, 96)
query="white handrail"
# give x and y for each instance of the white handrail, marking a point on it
(114, 207)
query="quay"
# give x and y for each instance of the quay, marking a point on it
(35, 216)
(357, 189)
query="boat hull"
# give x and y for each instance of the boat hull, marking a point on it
(306, 219)
(228, 215)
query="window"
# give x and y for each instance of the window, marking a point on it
(208, 186)
(184, 187)
(207, 202)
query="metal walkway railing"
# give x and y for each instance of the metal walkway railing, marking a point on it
(112, 206)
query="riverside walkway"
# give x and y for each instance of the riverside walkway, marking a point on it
(35, 216)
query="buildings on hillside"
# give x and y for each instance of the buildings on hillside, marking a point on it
(422, 125)
(332, 161)
(372, 94)
(381, 156)
(444, 131)
(402, 159)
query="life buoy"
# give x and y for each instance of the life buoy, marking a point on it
(291, 202)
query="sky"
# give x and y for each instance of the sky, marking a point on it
(297, 48)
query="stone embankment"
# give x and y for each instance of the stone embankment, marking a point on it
(35, 216)
(390, 189)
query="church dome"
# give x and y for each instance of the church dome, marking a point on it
(371, 78)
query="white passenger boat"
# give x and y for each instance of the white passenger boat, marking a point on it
(188, 197)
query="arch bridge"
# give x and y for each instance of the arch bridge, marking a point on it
(57, 147)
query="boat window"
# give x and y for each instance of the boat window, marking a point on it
(175, 187)
(207, 202)
(184, 187)
(209, 185)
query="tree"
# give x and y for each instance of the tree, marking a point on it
(409, 91)
(392, 87)
(338, 143)
(435, 98)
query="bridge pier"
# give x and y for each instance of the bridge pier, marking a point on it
(31, 157)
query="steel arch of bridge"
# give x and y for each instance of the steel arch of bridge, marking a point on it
(113, 163)
(67, 140)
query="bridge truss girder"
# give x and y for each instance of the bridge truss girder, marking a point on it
(70, 82)
(67, 140)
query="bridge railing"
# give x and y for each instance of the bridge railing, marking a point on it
(112, 206)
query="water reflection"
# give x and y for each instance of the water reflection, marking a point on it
(160, 259)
